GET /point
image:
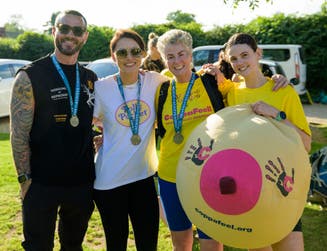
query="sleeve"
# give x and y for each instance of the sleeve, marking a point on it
(225, 86)
(295, 112)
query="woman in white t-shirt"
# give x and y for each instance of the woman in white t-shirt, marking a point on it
(125, 108)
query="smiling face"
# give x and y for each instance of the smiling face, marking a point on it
(69, 44)
(179, 61)
(132, 61)
(244, 60)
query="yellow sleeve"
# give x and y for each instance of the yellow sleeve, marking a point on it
(167, 73)
(225, 86)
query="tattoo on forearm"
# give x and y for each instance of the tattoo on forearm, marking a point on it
(21, 119)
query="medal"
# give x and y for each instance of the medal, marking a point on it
(178, 118)
(74, 121)
(135, 139)
(133, 120)
(178, 138)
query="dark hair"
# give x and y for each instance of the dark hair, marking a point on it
(70, 12)
(224, 66)
(126, 33)
(242, 38)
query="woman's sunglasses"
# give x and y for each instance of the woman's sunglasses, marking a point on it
(135, 52)
(65, 29)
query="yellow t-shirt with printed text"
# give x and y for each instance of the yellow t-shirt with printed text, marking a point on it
(198, 108)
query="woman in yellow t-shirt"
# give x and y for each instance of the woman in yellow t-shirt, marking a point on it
(187, 104)
(243, 54)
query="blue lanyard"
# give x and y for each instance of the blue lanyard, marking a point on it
(134, 122)
(178, 119)
(73, 104)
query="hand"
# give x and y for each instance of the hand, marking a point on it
(24, 188)
(97, 142)
(213, 70)
(236, 78)
(280, 81)
(201, 153)
(263, 109)
(142, 71)
(283, 181)
(209, 69)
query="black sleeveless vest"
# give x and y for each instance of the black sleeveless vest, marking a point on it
(60, 154)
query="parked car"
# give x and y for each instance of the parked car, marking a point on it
(103, 67)
(289, 56)
(8, 69)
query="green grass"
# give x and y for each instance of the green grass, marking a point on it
(314, 217)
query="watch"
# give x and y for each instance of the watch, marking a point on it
(280, 116)
(23, 177)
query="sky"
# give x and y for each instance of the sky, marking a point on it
(125, 13)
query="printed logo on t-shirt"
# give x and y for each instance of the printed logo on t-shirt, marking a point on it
(192, 114)
(60, 118)
(59, 93)
(122, 115)
(90, 95)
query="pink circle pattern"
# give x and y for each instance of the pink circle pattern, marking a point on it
(247, 174)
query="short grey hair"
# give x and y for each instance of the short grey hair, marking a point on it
(174, 36)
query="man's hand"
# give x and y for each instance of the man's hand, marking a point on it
(24, 188)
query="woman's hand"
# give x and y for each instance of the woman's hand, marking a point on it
(213, 70)
(97, 142)
(280, 81)
(263, 109)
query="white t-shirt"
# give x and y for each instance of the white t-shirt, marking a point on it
(119, 162)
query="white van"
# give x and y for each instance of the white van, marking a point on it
(289, 56)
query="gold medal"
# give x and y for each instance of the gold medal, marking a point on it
(178, 138)
(135, 139)
(74, 121)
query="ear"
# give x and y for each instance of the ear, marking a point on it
(53, 30)
(259, 53)
(86, 35)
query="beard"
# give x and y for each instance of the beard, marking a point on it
(69, 50)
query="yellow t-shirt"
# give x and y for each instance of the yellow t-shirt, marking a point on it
(198, 108)
(285, 99)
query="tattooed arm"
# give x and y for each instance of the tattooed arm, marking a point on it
(21, 119)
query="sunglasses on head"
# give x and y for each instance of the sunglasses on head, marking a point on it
(65, 29)
(135, 52)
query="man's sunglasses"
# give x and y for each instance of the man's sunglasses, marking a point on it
(135, 52)
(65, 29)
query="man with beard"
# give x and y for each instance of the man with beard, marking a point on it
(51, 137)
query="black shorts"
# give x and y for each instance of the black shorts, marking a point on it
(298, 226)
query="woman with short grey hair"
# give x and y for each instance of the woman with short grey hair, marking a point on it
(185, 93)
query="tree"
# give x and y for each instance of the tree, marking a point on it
(252, 3)
(97, 45)
(34, 45)
(13, 27)
(180, 17)
(324, 8)
(49, 24)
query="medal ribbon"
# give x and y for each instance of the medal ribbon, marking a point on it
(178, 119)
(134, 122)
(73, 104)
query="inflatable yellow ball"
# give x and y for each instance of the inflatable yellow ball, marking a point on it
(243, 178)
